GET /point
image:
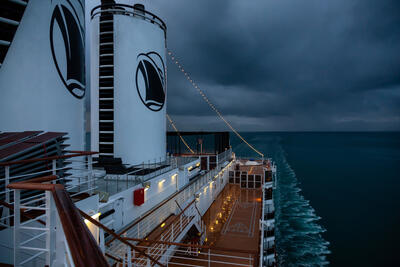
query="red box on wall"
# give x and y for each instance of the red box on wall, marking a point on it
(138, 197)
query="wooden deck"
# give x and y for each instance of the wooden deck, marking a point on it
(232, 229)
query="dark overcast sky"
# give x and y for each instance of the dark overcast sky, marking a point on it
(285, 64)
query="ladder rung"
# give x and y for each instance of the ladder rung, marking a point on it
(20, 2)
(33, 208)
(106, 98)
(31, 248)
(106, 131)
(106, 66)
(109, 32)
(106, 55)
(106, 109)
(9, 21)
(108, 43)
(107, 77)
(5, 43)
(110, 87)
(34, 228)
(106, 143)
(106, 120)
(106, 21)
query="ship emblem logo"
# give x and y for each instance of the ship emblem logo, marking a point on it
(67, 45)
(150, 80)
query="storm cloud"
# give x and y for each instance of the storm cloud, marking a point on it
(284, 64)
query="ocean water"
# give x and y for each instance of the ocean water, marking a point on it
(338, 196)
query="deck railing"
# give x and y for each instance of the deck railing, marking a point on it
(75, 172)
(147, 223)
(266, 226)
(177, 254)
(58, 236)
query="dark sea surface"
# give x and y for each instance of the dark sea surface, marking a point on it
(338, 196)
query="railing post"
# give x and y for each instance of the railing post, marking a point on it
(129, 258)
(7, 182)
(172, 233)
(90, 174)
(60, 243)
(209, 258)
(50, 225)
(54, 167)
(17, 217)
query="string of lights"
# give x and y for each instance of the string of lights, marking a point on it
(173, 58)
(180, 136)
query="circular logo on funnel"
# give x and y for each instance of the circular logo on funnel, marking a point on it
(150, 80)
(67, 45)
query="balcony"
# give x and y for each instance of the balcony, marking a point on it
(270, 251)
(269, 233)
(270, 215)
(268, 194)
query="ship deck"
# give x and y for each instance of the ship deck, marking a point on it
(232, 229)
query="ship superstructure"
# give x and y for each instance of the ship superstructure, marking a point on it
(127, 202)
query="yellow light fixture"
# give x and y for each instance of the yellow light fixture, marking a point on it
(95, 216)
(162, 225)
(162, 181)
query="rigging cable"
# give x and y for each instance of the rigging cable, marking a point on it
(211, 104)
(177, 132)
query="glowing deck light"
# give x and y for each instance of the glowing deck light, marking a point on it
(162, 225)
(162, 181)
(95, 216)
(174, 176)
(146, 189)
(198, 164)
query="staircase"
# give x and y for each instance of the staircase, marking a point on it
(11, 12)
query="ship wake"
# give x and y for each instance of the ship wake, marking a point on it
(298, 233)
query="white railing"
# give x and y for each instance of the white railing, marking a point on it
(39, 241)
(80, 179)
(224, 156)
(186, 257)
(145, 226)
(266, 225)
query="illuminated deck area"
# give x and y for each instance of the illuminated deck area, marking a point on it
(233, 233)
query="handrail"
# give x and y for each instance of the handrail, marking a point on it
(111, 232)
(156, 208)
(177, 217)
(164, 26)
(11, 207)
(254, 252)
(80, 240)
(75, 154)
